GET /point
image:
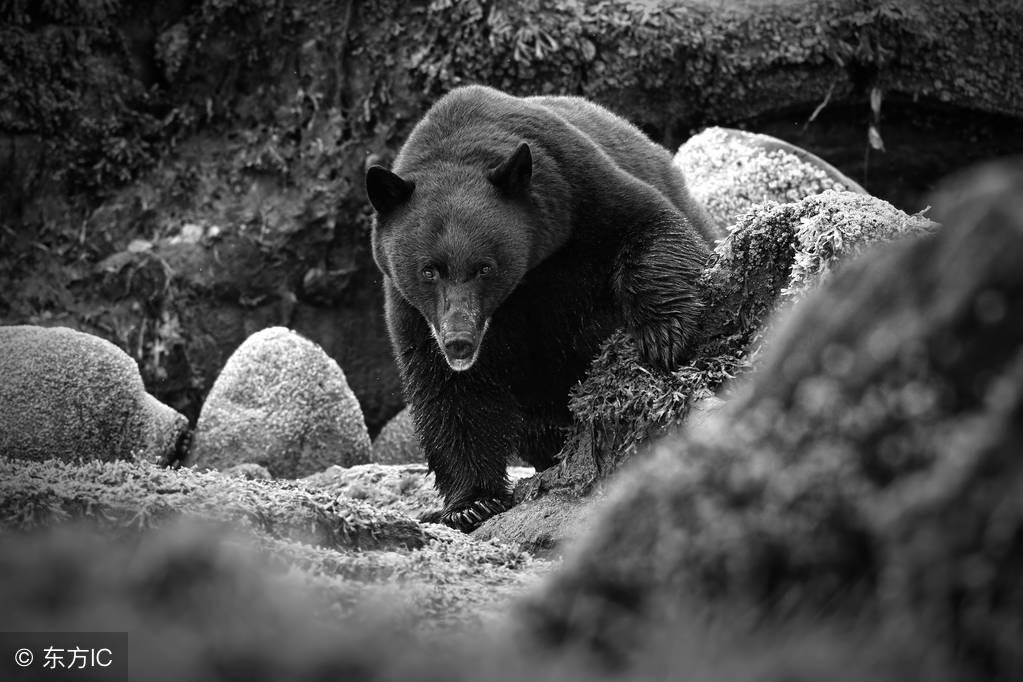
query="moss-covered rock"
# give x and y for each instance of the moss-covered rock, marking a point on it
(825, 230)
(731, 171)
(74, 396)
(280, 402)
(397, 442)
(775, 252)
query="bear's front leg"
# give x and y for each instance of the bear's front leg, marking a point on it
(468, 434)
(653, 280)
(467, 422)
(469, 426)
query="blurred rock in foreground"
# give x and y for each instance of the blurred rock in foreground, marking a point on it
(868, 472)
(202, 603)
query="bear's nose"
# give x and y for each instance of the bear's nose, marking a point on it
(459, 346)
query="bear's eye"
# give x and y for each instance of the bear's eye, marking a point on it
(429, 273)
(486, 269)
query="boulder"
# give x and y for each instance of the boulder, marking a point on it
(282, 403)
(69, 395)
(730, 171)
(397, 442)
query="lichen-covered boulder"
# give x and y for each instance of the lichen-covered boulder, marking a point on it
(282, 403)
(397, 442)
(729, 171)
(819, 233)
(69, 395)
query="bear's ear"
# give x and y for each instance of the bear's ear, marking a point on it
(512, 175)
(387, 191)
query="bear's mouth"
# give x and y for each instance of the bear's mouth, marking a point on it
(460, 350)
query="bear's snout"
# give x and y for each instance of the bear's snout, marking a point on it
(459, 346)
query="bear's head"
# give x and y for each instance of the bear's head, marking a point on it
(455, 240)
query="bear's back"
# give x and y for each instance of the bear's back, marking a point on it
(478, 125)
(627, 146)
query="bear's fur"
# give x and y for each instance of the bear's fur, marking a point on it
(514, 235)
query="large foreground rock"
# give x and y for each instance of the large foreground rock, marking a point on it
(869, 473)
(74, 396)
(282, 403)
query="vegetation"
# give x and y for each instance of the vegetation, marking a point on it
(140, 495)
(775, 254)
(123, 122)
(348, 550)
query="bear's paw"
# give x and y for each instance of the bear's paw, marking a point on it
(663, 342)
(468, 517)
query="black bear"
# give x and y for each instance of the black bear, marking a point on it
(514, 235)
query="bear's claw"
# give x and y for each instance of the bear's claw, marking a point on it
(469, 517)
